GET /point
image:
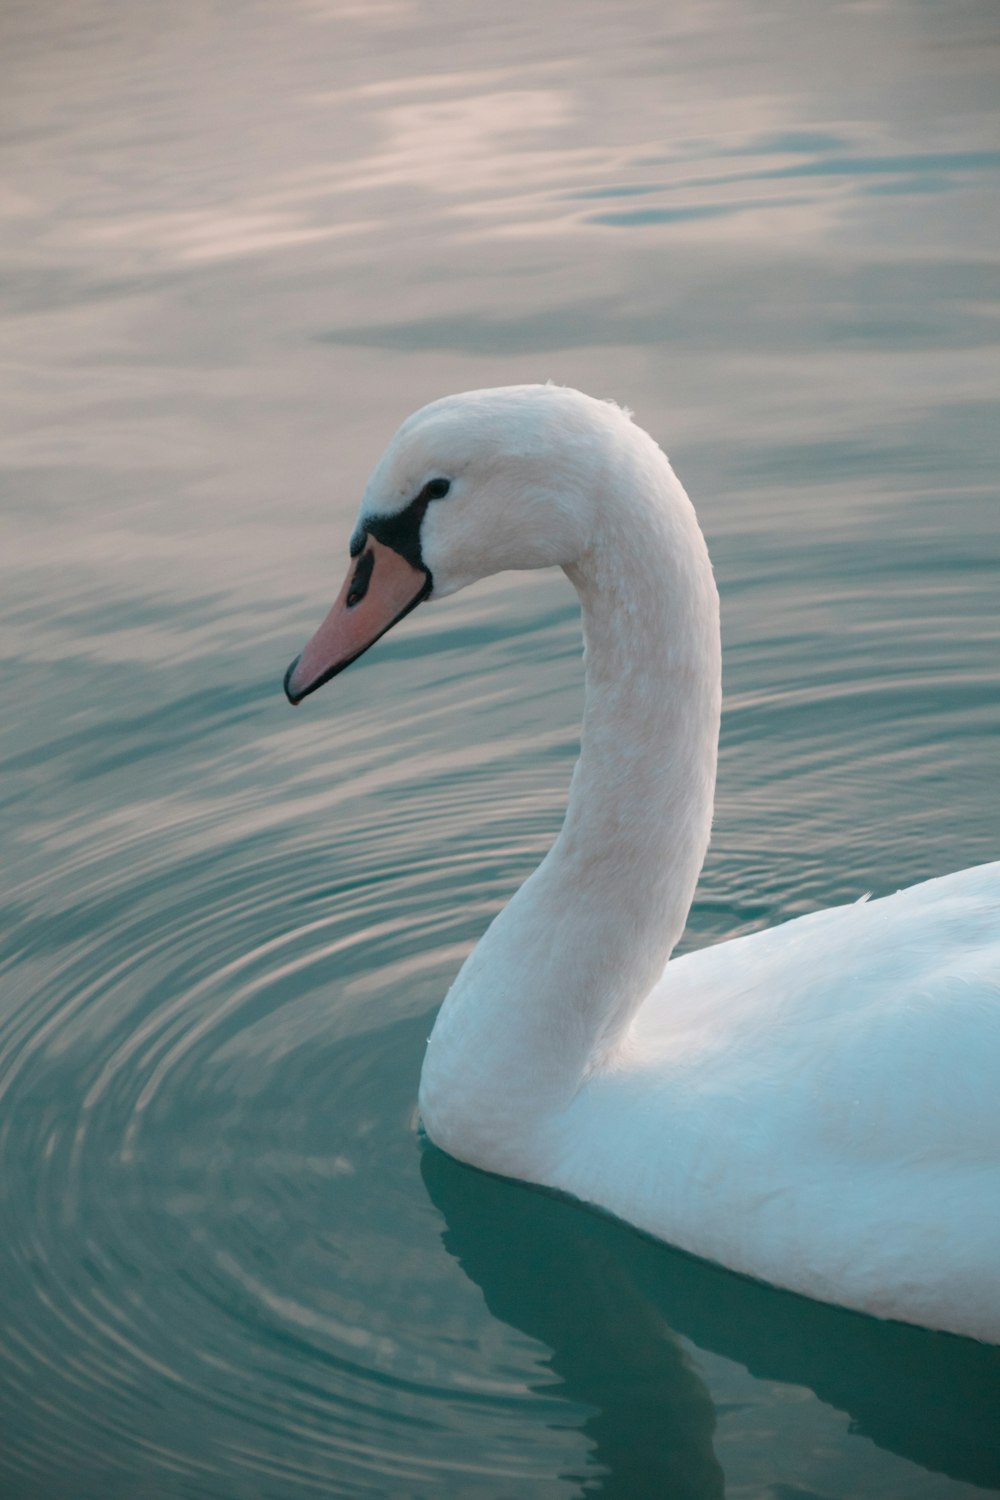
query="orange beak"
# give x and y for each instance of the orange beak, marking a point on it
(380, 588)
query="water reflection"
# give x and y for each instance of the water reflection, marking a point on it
(616, 1310)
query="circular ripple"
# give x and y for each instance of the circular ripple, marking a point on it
(216, 1231)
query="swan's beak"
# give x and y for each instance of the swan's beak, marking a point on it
(380, 588)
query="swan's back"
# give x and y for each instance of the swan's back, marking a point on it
(909, 983)
(818, 1104)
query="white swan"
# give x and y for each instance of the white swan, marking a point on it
(817, 1105)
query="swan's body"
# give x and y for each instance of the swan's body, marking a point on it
(817, 1105)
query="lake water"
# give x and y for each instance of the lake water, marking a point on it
(241, 241)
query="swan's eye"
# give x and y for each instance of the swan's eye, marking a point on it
(435, 489)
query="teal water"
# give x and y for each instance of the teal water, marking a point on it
(241, 241)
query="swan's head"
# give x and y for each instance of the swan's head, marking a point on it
(471, 485)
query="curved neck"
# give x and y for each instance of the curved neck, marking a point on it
(640, 808)
(640, 801)
(550, 990)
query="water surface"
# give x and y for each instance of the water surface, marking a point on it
(241, 242)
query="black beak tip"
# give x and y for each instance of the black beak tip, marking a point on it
(294, 698)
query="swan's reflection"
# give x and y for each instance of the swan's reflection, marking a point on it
(610, 1305)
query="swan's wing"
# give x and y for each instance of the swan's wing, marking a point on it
(817, 1105)
(905, 987)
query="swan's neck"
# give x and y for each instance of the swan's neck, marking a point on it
(640, 809)
(548, 994)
